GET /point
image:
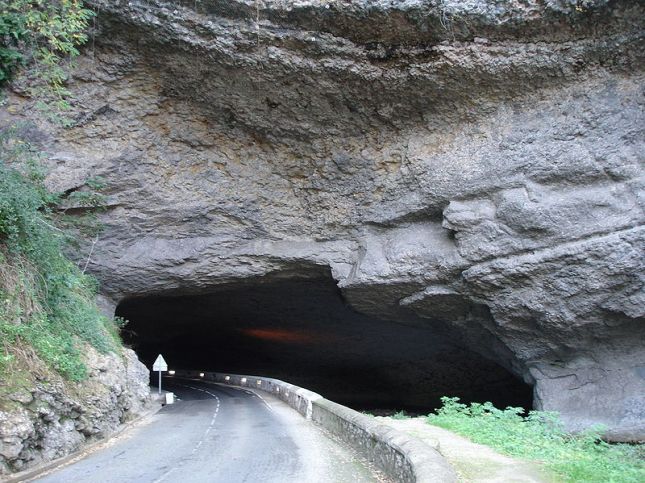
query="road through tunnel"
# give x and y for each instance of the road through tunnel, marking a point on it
(301, 330)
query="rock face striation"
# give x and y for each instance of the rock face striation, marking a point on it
(471, 167)
(49, 418)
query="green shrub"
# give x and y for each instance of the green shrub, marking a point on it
(45, 299)
(39, 35)
(400, 415)
(12, 31)
(540, 436)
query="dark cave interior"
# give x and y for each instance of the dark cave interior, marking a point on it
(301, 331)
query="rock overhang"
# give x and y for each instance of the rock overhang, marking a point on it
(318, 69)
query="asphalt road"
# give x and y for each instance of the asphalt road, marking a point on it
(219, 434)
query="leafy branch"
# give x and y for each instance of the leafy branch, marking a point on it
(37, 36)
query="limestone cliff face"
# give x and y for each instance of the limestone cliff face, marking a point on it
(47, 418)
(471, 167)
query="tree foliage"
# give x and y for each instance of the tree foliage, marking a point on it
(39, 35)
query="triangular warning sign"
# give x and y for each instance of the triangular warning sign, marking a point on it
(160, 364)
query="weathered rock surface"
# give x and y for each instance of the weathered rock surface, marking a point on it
(52, 418)
(470, 167)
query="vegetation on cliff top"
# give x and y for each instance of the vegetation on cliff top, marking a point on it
(539, 436)
(46, 302)
(36, 37)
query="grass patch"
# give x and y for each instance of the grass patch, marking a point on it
(540, 436)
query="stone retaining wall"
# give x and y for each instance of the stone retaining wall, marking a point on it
(398, 455)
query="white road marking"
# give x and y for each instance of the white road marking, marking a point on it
(165, 475)
(250, 392)
(201, 441)
(264, 401)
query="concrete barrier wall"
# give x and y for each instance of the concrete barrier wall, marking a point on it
(400, 456)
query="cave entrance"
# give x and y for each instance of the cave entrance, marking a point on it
(302, 331)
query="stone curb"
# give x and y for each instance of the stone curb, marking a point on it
(400, 456)
(32, 473)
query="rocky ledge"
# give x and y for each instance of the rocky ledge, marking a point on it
(49, 418)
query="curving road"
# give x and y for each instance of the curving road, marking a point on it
(219, 434)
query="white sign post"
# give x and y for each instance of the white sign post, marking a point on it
(160, 365)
